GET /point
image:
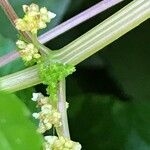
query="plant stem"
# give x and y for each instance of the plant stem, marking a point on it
(78, 19)
(58, 30)
(42, 48)
(64, 129)
(25, 78)
(105, 33)
(108, 31)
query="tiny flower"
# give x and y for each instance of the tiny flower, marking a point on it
(43, 101)
(36, 96)
(36, 115)
(35, 18)
(27, 51)
(36, 56)
(21, 44)
(20, 24)
(42, 128)
(67, 105)
(48, 116)
(61, 143)
(42, 25)
(51, 15)
(47, 108)
(49, 141)
(25, 8)
(34, 8)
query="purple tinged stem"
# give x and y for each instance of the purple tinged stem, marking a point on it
(60, 29)
(78, 19)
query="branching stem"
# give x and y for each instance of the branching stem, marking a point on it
(78, 19)
(103, 34)
(43, 49)
(60, 29)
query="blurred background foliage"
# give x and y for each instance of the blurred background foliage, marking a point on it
(109, 93)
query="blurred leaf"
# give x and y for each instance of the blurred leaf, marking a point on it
(142, 121)
(6, 46)
(91, 117)
(129, 62)
(135, 142)
(134, 116)
(16, 130)
(57, 6)
(108, 123)
(26, 95)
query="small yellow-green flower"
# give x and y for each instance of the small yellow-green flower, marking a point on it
(48, 116)
(35, 18)
(28, 51)
(60, 143)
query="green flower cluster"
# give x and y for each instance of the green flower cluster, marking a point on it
(53, 72)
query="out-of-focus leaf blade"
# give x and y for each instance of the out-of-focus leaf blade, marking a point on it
(97, 128)
(6, 46)
(109, 123)
(16, 130)
(129, 62)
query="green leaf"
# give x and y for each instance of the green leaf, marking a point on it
(17, 132)
(6, 46)
(134, 116)
(92, 118)
(26, 95)
(109, 123)
(129, 62)
(135, 142)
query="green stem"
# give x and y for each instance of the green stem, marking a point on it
(64, 129)
(103, 34)
(20, 80)
(42, 48)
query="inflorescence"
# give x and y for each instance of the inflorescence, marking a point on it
(50, 72)
(28, 51)
(61, 143)
(50, 117)
(35, 18)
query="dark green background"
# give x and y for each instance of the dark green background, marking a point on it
(109, 94)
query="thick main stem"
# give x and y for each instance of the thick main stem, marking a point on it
(60, 29)
(64, 129)
(22, 79)
(105, 33)
(108, 31)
